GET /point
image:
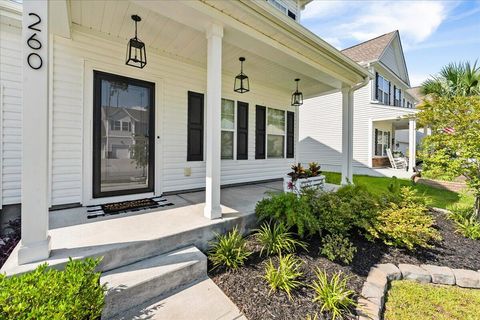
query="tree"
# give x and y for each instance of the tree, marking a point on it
(455, 141)
(454, 79)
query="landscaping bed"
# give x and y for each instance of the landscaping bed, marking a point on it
(9, 237)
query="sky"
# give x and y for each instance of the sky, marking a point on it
(433, 33)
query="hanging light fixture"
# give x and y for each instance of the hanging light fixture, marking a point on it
(136, 54)
(297, 96)
(241, 84)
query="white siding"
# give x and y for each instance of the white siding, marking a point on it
(177, 78)
(392, 58)
(11, 111)
(321, 127)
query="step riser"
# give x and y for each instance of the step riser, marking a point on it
(200, 238)
(118, 302)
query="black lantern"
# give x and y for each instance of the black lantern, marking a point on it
(297, 96)
(241, 84)
(136, 54)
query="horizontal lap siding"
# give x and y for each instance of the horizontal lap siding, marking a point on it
(178, 78)
(11, 109)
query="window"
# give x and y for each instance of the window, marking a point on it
(278, 5)
(126, 126)
(398, 97)
(383, 90)
(382, 142)
(228, 128)
(115, 125)
(275, 133)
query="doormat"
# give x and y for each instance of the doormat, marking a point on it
(127, 206)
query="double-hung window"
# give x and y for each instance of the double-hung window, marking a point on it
(228, 129)
(275, 133)
(398, 97)
(383, 90)
(382, 142)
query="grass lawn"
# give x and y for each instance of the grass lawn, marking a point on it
(411, 300)
(438, 197)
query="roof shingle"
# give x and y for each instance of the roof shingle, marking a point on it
(370, 50)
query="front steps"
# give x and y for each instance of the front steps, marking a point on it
(134, 284)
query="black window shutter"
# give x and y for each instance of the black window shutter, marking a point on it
(290, 134)
(195, 126)
(260, 131)
(394, 95)
(242, 130)
(389, 93)
(376, 141)
(376, 85)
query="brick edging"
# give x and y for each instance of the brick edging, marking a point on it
(372, 301)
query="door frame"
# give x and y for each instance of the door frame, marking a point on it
(88, 95)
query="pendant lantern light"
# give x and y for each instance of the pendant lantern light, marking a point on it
(297, 96)
(241, 84)
(136, 54)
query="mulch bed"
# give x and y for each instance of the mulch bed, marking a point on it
(250, 292)
(9, 237)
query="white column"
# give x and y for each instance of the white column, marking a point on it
(35, 243)
(412, 144)
(347, 136)
(212, 208)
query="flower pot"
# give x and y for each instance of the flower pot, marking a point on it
(299, 184)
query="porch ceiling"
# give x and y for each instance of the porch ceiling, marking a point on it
(398, 123)
(164, 28)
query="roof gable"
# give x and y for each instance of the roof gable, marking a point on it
(393, 58)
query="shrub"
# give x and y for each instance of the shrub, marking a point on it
(45, 293)
(338, 247)
(291, 210)
(285, 277)
(466, 222)
(229, 250)
(275, 239)
(333, 294)
(406, 223)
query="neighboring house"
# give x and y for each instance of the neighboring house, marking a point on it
(383, 113)
(93, 130)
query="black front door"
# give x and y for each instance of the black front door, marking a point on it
(123, 135)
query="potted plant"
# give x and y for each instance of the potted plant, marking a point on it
(300, 178)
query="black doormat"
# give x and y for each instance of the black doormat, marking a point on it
(126, 206)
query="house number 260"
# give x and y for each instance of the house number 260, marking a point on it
(34, 60)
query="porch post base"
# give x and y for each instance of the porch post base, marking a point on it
(212, 213)
(34, 252)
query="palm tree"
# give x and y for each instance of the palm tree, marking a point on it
(454, 79)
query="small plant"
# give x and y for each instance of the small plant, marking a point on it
(337, 247)
(466, 222)
(275, 239)
(47, 293)
(298, 172)
(285, 277)
(229, 250)
(333, 294)
(313, 169)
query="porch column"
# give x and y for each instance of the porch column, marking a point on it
(347, 136)
(212, 208)
(35, 243)
(412, 144)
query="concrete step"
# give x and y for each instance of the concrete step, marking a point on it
(137, 283)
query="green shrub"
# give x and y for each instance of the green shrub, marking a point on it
(285, 277)
(466, 221)
(406, 223)
(337, 247)
(229, 250)
(333, 294)
(275, 239)
(290, 209)
(45, 293)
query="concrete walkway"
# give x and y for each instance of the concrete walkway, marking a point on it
(201, 301)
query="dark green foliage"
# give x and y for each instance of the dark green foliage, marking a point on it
(229, 250)
(274, 238)
(46, 293)
(338, 248)
(292, 211)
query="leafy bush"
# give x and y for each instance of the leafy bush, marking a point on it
(289, 209)
(338, 247)
(45, 293)
(275, 239)
(466, 222)
(333, 294)
(405, 223)
(229, 250)
(285, 277)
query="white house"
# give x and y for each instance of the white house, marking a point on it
(81, 127)
(384, 112)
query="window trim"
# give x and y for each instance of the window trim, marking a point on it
(381, 97)
(234, 130)
(284, 134)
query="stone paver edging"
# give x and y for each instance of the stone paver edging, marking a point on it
(371, 304)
